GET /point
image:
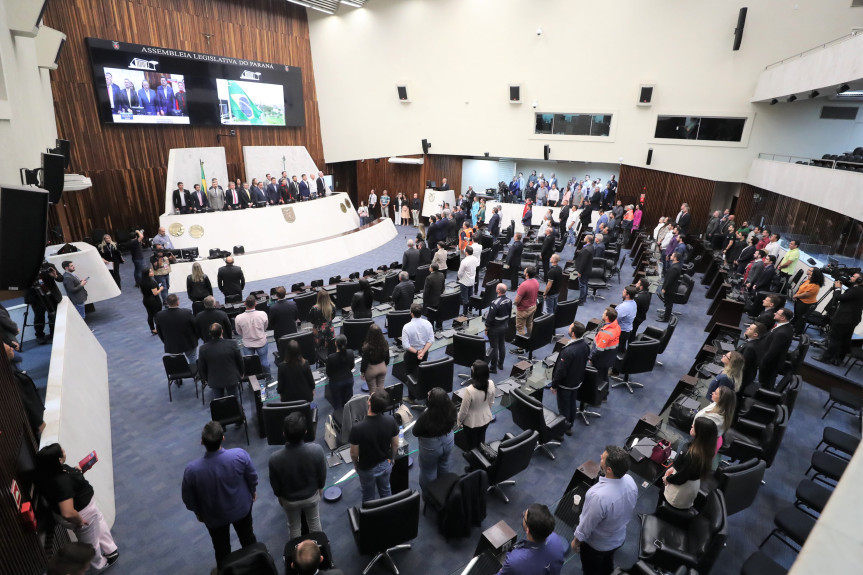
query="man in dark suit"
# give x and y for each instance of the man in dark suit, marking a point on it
(425, 253)
(452, 229)
(568, 373)
(438, 231)
(683, 219)
(496, 324)
(221, 363)
(443, 185)
(776, 346)
(164, 97)
(231, 279)
(512, 263)
(459, 217)
(583, 267)
(844, 320)
(527, 217)
(434, 286)
(128, 96)
(766, 275)
(232, 197)
(273, 196)
(283, 315)
(182, 199)
(180, 100)
(564, 217)
(258, 195)
(403, 293)
(177, 330)
(642, 305)
(669, 286)
(147, 98)
(304, 188)
(768, 312)
(114, 98)
(595, 200)
(199, 199)
(547, 250)
(210, 315)
(494, 223)
(599, 246)
(74, 287)
(411, 260)
(321, 185)
(751, 349)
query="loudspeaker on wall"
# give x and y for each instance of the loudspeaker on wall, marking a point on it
(515, 94)
(23, 228)
(403, 93)
(426, 145)
(546, 151)
(649, 156)
(738, 31)
(645, 94)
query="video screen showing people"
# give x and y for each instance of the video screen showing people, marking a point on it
(141, 97)
(250, 103)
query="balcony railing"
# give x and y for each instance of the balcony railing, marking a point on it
(831, 161)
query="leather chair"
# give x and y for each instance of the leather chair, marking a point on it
(334, 280)
(384, 292)
(639, 357)
(317, 283)
(382, 526)
(275, 413)
(305, 302)
(845, 401)
(345, 292)
(792, 525)
(540, 335)
(740, 483)
(252, 559)
(528, 413)
(197, 307)
(466, 350)
(786, 393)
(420, 280)
(564, 315)
(453, 260)
(796, 357)
(696, 545)
(396, 320)
(760, 564)
(178, 368)
(355, 331)
(298, 287)
(838, 442)
(448, 492)
(513, 457)
(592, 391)
(684, 290)
(227, 410)
(448, 308)
(596, 279)
(306, 339)
(663, 336)
(429, 374)
(480, 302)
(748, 439)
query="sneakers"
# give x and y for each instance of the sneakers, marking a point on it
(112, 558)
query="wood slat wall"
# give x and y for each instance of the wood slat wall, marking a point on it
(128, 164)
(665, 192)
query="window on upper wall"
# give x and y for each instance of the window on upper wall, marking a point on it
(573, 124)
(700, 128)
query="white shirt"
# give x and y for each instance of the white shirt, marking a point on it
(657, 229)
(554, 195)
(467, 271)
(252, 327)
(373, 199)
(417, 333)
(772, 249)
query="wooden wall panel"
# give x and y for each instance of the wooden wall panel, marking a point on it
(128, 164)
(665, 192)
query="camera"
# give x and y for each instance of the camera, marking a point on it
(233, 132)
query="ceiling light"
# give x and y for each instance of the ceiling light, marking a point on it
(354, 3)
(792, 97)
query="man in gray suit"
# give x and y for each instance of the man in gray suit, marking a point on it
(74, 287)
(220, 363)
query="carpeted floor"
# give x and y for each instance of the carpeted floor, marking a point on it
(154, 440)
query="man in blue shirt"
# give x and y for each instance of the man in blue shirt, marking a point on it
(542, 552)
(219, 489)
(626, 311)
(608, 507)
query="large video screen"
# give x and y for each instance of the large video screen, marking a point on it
(138, 84)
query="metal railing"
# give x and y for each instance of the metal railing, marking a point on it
(818, 162)
(853, 33)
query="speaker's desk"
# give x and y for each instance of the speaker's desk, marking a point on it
(88, 264)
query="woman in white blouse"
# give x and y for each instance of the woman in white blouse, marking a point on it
(475, 411)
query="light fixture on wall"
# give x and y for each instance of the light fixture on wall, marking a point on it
(843, 88)
(774, 101)
(230, 134)
(539, 31)
(792, 98)
(814, 94)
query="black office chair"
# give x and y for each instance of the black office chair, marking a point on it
(354, 276)
(355, 331)
(384, 292)
(838, 442)
(513, 455)
(197, 307)
(564, 315)
(234, 298)
(306, 340)
(305, 302)
(748, 439)
(420, 279)
(252, 366)
(448, 308)
(663, 336)
(227, 410)
(540, 336)
(298, 287)
(480, 302)
(368, 272)
(684, 290)
(528, 413)
(740, 483)
(334, 280)
(592, 392)
(845, 401)
(275, 413)
(466, 350)
(396, 321)
(382, 526)
(178, 368)
(429, 374)
(797, 356)
(792, 526)
(596, 279)
(252, 559)
(317, 283)
(668, 545)
(639, 357)
(453, 261)
(447, 495)
(760, 564)
(345, 292)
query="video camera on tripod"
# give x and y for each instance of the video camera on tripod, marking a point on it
(841, 273)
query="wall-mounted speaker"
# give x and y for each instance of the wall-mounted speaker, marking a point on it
(649, 156)
(546, 151)
(63, 148)
(426, 146)
(52, 176)
(645, 94)
(403, 93)
(514, 94)
(23, 228)
(49, 46)
(738, 32)
(24, 16)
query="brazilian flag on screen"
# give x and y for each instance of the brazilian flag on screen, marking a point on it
(242, 107)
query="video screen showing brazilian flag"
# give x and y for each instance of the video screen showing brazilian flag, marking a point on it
(251, 103)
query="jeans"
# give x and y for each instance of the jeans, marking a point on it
(551, 302)
(434, 457)
(341, 392)
(466, 292)
(221, 536)
(295, 509)
(80, 308)
(566, 403)
(139, 270)
(378, 476)
(191, 355)
(363, 220)
(164, 280)
(571, 240)
(223, 391)
(582, 289)
(497, 341)
(261, 352)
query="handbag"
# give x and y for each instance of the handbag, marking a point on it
(682, 412)
(403, 415)
(661, 452)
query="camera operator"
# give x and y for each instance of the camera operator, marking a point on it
(844, 319)
(43, 297)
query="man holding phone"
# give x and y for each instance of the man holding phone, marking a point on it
(75, 287)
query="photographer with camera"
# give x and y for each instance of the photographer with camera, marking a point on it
(844, 319)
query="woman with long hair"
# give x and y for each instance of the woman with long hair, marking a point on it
(683, 479)
(198, 285)
(376, 358)
(340, 372)
(805, 298)
(151, 289)
(475, 411)
(731, 375)
(362, 300)
(112, 257)
(636, 218)
(321, 316)
(397, 212)
(70, 497)
(296, 382)
(480, 217)
(434, 429)
(720, 411)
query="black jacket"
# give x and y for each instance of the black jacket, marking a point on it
(776, 346)
(33, 406)
(751, 350)
(208, 317)
(850, 306)
(642, 304)
(231, 280)
(177, 330)
(425, 256)
(513, 256)
(570, 364)
(584, 261)
(433, 289)
(220, 363)
(547, 247)
(683, 222)
(494, 225)
(282, 318)
(410, 261)
(403, 295)
(672, 278)
(198, 290)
